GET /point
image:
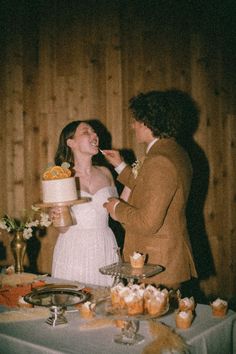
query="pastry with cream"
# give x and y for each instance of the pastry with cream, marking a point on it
(187, 303)
(135, 299)
(134, 303)
(115, 294)
(137, 260)
(183, 319)
(156, 303)
(219, 307)
(87, 310)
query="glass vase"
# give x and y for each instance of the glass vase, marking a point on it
(18, 247)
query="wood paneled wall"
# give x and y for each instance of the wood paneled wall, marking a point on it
(65, 60)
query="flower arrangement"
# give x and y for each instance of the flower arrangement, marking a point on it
(30, 221)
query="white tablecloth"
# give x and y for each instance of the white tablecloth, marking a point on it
(207, 335)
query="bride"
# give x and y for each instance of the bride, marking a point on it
(83, 248)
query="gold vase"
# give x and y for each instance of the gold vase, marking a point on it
(18, 247)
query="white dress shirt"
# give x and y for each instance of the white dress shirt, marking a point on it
(122, 165)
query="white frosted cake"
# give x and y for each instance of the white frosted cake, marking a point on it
(59, 190)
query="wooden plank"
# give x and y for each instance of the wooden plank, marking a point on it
(86, 61)
(229, 208)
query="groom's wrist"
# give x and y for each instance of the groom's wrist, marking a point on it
(120, 167)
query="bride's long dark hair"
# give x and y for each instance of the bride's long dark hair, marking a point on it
(64, 152)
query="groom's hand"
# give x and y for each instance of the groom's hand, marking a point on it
(110, 206)
(113, 157)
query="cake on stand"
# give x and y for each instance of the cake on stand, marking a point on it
(60, 191)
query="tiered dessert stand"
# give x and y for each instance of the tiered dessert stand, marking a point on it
(130, 324)
(123, 270)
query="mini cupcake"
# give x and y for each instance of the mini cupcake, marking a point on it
(165, 294)
(22, 303)
(115, 298)
(134, 304)
(137, 260)
(157, 303)
(219, 307)
(149, 292)
(186, 304)
(154, 306)
(87, 310)
(183, 319)
(126, 291)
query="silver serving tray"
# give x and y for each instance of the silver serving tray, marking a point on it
(56, 297)
(124, 270)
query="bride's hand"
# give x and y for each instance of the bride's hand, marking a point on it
(55, 214)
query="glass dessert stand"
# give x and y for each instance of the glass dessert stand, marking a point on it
(123, 270)
(57, 300)
(129, 324)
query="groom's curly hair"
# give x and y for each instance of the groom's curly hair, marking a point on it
(166, 113)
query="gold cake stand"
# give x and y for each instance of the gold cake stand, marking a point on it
(65, 217)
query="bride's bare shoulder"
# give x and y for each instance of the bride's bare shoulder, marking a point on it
(106, 172)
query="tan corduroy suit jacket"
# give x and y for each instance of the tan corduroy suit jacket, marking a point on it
(154, 217)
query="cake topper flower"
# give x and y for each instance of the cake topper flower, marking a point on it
(57, 172)
(30, 221)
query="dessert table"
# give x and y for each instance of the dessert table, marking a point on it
(207, 335)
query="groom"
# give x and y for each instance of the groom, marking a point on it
(154, 215)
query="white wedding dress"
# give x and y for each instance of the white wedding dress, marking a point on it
(88, 245)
